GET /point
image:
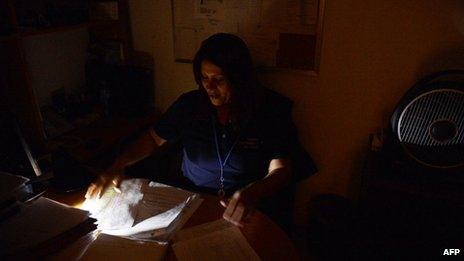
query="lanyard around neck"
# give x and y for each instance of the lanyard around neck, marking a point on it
(222, 163)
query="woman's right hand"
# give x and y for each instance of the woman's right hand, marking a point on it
(104, 181)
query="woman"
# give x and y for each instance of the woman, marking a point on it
(235, 134)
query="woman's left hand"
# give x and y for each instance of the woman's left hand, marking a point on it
(239, 207)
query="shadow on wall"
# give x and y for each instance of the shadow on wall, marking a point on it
(355, 180)
(448, 57)
(442, 60)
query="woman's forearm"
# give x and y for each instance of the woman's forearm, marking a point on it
(277, 178)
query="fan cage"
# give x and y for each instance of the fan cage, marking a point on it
(413, 128)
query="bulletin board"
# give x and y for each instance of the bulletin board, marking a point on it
(279, 33)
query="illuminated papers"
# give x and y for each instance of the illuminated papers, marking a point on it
(143, 209)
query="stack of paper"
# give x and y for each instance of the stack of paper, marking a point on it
(42, 227)
(10, 186)
(142, 210)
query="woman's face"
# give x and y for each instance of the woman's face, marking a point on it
(216, 84)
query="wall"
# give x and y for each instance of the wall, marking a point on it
(372, 52)
(56, 60)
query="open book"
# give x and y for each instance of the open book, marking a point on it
(142, 210)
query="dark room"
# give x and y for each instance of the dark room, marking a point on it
(231, 129)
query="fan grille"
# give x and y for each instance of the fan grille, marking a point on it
(417, 119)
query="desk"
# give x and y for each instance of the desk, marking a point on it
(267, 239)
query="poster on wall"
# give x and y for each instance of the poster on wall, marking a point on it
(279, 33)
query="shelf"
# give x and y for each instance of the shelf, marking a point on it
(64, 28)
(106, 22)
(7, 38)
(57, 29)
(19, 80)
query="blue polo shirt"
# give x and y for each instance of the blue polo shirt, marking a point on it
(266, 135)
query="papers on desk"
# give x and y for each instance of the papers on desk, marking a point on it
(118, 248)
(40, 227)
(217, 240)
(142, 210)
(149, 210)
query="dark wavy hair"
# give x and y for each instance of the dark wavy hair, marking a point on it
(231, 54)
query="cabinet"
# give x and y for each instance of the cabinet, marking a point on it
(26, 24)
(406, 211)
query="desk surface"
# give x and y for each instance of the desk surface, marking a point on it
(268, 240)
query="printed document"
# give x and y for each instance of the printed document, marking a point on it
(213, 241)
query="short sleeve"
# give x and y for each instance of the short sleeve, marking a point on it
(281, 133)
(282, 142)
(177, 116)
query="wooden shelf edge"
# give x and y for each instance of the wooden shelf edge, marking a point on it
(50, 30)
(58, 29)
(8, 38)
